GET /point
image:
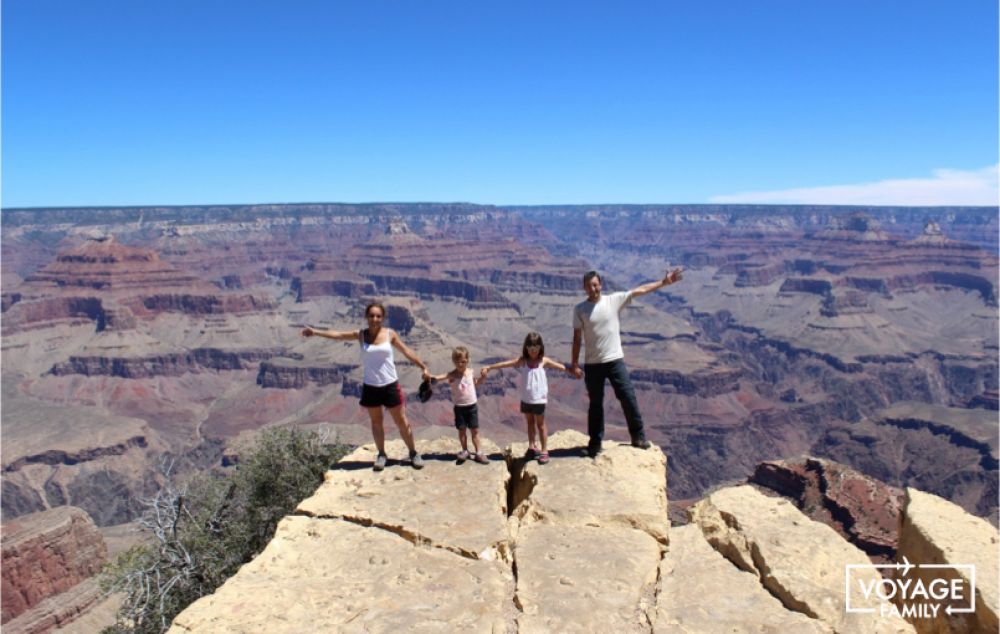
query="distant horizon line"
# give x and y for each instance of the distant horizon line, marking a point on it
(494, 205)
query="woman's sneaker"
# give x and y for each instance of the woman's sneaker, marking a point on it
(416, 460)
(481, 458)
(462, 456)
(380, 461)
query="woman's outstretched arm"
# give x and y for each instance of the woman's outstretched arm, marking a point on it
(339, 335)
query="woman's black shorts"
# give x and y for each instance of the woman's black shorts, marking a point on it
(381, 395)
(533, 408)
(467, 416)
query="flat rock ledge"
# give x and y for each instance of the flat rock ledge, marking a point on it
(576, 545)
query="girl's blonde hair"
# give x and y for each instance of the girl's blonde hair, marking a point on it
(460, 352)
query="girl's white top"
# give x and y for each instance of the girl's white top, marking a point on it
(379, 364)
(534, 385)
(463, 390)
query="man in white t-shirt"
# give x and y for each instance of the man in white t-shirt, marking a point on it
(595, 323)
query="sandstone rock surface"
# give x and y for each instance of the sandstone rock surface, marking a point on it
(621, 487)
(707, 594)
(408, 502)
(435, 550)
(323, 575)
(589, 536)
(801, 562)
(935, 531)
(576, 545)
(584, 578)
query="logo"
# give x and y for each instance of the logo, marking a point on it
(911, 591)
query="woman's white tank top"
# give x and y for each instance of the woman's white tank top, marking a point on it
(378, 362)
(534, 384)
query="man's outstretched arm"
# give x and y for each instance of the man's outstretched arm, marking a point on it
(669, 278)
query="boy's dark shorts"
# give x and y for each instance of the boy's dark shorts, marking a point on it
(467, 416)
(381, 395)
(533, 408)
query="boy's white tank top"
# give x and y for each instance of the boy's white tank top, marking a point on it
(534, 384)
(378, 362)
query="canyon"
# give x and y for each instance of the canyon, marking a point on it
(135, 337)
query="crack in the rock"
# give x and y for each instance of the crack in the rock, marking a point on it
(518, 483)
(657, 588)
(414, 538)
(758, 567)
(791, 603)
(515, 467)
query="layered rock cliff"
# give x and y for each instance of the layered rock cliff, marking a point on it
(48, 561)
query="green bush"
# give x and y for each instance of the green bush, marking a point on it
(203, 532)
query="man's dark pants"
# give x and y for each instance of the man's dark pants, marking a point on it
(594, 376)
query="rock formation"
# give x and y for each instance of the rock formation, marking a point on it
(577, 545)
(55, 455)
(861, 509)
(112, 284)
(48, 561)
(935, 532)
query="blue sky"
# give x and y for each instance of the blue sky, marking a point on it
(128, 102)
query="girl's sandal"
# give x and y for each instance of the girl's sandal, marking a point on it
(543, 457)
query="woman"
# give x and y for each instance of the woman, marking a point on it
(381, 387)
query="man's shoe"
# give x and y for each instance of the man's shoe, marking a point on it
(641, 443)
(380, 461)
(416, 460)
(592, 451)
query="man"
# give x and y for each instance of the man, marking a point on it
(595, 323)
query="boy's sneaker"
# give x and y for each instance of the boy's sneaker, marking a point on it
(380, 461)
(481, 458)
(641, 443)
(531, 453)
(543, 458)
(416, 460)
(462, 456)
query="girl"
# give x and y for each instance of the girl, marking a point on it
(381, 387)
(463, 395)
(534, 390)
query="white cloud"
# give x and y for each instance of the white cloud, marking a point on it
(946, 187)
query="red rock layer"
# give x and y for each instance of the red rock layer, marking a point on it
(107, 265)
(47, 553)
(477, 270)
(862, 509)
(112, 285)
